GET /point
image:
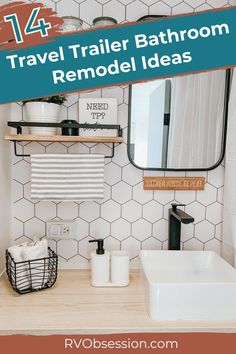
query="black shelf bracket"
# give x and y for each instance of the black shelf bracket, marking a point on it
(15, 151)
(18, 126)
(112, 152)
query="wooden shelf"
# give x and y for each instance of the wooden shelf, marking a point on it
(65, 138)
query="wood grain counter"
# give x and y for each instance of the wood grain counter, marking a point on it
(72, 306)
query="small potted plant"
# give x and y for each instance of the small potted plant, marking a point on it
(44, 110)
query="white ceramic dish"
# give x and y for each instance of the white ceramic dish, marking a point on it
(189, 285)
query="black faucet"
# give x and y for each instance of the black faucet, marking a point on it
(176, 217)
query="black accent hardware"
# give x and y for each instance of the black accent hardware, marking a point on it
(176, 217)
(63, 125)
(19, 125)
(19, 129)
(167, 119)
(175, 205)
(112, 152)
(15, 151)
(100, 242)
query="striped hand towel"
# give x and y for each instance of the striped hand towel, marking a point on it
(67, 177)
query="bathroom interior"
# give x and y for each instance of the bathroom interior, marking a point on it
(180, 244)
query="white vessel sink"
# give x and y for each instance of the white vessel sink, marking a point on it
(189, 285)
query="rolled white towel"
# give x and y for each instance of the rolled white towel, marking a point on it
(38, 269)
(37, 275)
(35, 250)
(21, 277)
(16, 252)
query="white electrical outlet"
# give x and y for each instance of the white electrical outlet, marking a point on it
(61, 229)
(65, 230)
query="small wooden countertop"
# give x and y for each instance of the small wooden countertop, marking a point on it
(72, 306)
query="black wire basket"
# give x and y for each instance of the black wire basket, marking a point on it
(33, 275)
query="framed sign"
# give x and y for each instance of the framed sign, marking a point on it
(97, 111)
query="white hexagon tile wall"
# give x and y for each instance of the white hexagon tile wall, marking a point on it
(128, 218)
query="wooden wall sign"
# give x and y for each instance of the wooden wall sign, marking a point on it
(174, 183)
(97, 111)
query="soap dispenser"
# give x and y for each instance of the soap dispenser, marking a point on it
(100, 264)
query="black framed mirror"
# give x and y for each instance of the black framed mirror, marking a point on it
(179, 123)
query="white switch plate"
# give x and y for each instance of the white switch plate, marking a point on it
(61, 229)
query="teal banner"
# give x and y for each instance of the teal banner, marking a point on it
(120, 55)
